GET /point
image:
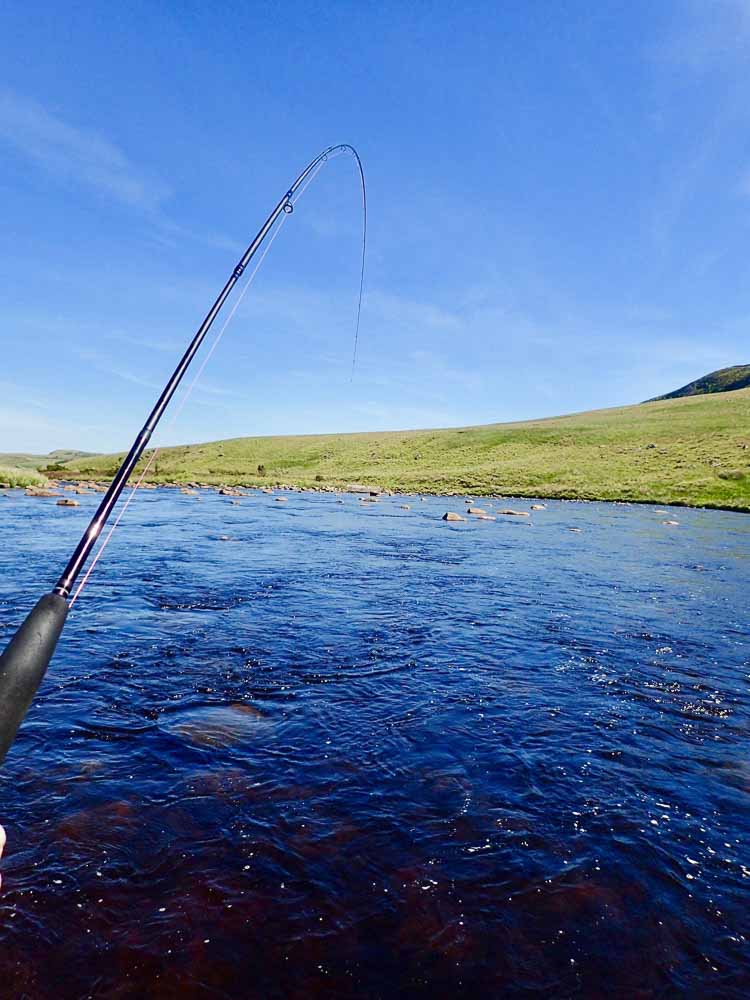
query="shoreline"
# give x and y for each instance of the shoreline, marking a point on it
(97, 485)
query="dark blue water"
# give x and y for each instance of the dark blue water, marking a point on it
(351, 750)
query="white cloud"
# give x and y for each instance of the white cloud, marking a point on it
(74, 154)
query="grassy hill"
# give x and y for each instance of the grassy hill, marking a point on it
(694, 450)
(723, 380)
(21, 468)
(25, 460)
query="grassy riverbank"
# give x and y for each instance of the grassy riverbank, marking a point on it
(694, 450)
(12, 476)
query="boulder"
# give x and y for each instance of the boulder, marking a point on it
(452, 516)
(280, 499)
(485, 517)
(515, 513)
(67, 502)
(539, 506)
(475, 510)
(675, 523)
(405, 506)
(38, 491)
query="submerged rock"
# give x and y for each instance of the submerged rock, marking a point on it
(215, 725)
(539, 506)
(515, 513)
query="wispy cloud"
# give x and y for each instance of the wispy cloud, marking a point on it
(75, 154)
(707, 48)
(109, 367)
(709, 34)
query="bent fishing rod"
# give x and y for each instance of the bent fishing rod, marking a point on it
(27, 656)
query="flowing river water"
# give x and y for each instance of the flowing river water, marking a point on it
(345, 749)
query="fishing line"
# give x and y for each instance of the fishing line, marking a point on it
(178, 410)
(288, 209)
(26, 657)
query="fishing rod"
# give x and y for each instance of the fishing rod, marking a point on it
(24, 662)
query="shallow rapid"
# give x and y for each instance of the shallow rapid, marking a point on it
(351, 750)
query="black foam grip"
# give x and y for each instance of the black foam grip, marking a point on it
(25, 661)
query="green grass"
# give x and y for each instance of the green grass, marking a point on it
(10, 476)
(26, 460)
(694, 450)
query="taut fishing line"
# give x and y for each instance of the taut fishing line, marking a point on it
(245, 288)
(26, 657)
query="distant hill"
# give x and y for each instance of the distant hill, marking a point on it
(690, 451)
(26, 460)
(724, 380)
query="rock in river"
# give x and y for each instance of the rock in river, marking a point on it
(215, 725)
(452, 516)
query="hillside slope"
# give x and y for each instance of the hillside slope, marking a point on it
(26, 460)
(694, 451)
(723, 380)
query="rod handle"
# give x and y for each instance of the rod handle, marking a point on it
(24, 663)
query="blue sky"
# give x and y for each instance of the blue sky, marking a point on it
(559, 199)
